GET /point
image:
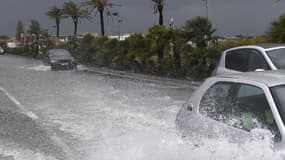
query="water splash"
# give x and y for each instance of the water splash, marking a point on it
(38, 68)
(157, 145)
(12, 152)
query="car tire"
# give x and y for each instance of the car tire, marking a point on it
(74, 66)
(54, 68)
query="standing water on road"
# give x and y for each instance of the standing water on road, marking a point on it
(111, 118)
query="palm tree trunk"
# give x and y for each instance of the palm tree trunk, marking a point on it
(177, 58)
(75, 21)
(160, 51)
(57, 28)
(102, 22)
(160, 10)
(37, 43)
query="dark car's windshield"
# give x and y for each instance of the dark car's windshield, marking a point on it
(59, 54)
(278, 93)
(277, 57)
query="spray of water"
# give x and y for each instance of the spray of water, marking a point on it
(47, 68)
(13, 152)
(156, 145)
(37, 68)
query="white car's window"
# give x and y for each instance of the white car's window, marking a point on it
(278, 93)
(277, 57)
(248, 90)
(245, 60)
(214, 100)
(257, 61)
(238, 60)
(242, 106)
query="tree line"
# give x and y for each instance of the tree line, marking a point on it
(163, 51)
(88, 7)
(191, 50)
(84, 10)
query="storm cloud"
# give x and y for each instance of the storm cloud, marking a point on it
(229, 17)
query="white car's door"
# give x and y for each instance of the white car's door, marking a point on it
(226, 109)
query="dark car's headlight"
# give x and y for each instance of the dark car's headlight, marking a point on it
(53, 61)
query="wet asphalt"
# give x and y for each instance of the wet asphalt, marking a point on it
(34, 102)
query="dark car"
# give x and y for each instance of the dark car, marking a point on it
(59, 59)
(1, 51)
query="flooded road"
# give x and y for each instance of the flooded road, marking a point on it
(109, 118)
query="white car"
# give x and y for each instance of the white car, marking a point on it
(251, 58)
(236, 106)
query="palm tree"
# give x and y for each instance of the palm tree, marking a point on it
(101, 6)
(35, 29)
(19, 30)
(57, 14)
(71, 9)
(199, 30)
(158, 8)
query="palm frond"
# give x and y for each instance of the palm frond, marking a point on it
(55, 13)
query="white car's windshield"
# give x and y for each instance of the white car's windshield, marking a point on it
(277, 57)
(278, 93)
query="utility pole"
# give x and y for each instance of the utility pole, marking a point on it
(119, 22)
(119, 28)
(207, 8)
(109, 24)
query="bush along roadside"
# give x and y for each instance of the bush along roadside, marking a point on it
(139, 54)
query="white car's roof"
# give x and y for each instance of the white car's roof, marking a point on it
(269, 78)
(262, 46)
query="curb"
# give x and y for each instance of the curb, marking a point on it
(142, 77)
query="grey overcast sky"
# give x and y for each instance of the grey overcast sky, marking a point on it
(229, 17)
